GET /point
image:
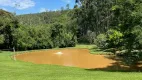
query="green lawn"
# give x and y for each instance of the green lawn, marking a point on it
(18, 70)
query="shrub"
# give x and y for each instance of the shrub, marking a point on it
(114, 38)
(22, 39)
(101, 41)
(90, 36)
(132, 58)
(1, 39)
(38, 37)
(137, 31)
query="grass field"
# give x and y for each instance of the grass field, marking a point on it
(18, 70)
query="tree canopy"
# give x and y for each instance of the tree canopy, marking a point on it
(7, 25)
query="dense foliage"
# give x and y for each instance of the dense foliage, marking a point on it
(94, 16)
(8, 23)
(39, 18)
(37, 31)
(116, 23)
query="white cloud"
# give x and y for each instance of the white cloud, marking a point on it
(43, 9)
(67, 1)
(55, 10)
(4, 9)
(18, 4)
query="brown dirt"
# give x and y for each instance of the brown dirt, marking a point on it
(72, 57)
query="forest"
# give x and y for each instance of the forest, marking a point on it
(37, 31)
(109, 24)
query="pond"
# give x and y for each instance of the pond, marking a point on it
(67, 57)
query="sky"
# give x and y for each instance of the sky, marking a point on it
(34, 6)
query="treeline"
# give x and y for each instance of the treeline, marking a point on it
(41, 37)
(112, 24)
(37, 31)
(39, 18)
(106, 23)
(117, 21)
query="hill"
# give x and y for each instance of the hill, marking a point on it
(40, 18)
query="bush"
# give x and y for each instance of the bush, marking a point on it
(90, 36)
(132, 58)
(32, 38)
(101, 41)
(137, 31)
(22, 39)
(83, 40)
(114, 38)
(1, 39)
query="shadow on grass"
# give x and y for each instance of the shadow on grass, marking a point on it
(119, 66)
(6, 50)
(101, 51)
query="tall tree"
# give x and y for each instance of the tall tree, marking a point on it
(68, 6)
(8, 23)
(128, 15)
(94, 15)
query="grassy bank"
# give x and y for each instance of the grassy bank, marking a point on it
(17, 70)
(93, 49)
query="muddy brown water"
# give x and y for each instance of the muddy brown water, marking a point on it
(70, 57)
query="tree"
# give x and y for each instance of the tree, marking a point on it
(8, 23)
(62, 9)
(67, 7)
(123, 19)
(127, 16)
(94, 15)
(100, 41)
(46, 30)
(114, 38)
(127, 19)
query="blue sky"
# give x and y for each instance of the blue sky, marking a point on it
(34, 6)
